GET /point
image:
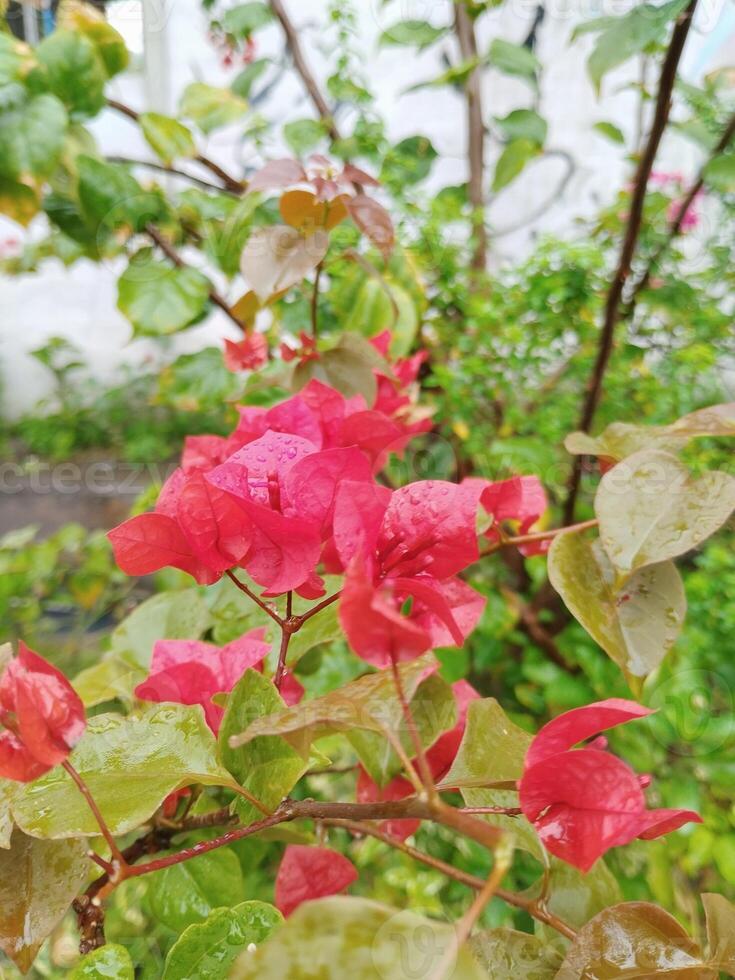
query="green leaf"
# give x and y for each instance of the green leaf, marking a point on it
(636, 625)
(39, 879)
(525, 124)
(87, 20)
(188, 892)
(107, 680)
(18, 201)
(159, 298)
(610, 131)
(512, 160)
(370, 703)
(71, 68)
(303, 135)
(719, 173)
(492, 748)
(130, 764)
(576, 897)
(720, 915)
(335, 938)
(181, 615)
(634, 939)
(434, 710)
(651, 509)
(111, 962)
(243, 83)
(416, 33)
(629, 35)
(277, 257)
(409, 161)
(8, 791)
(513, 59)
(519, 830)
(109, 194)
(509, 955)
(167, 137)
(32, 137)
(208, 949)
(210, 107)
(245, 18)
(267, 766)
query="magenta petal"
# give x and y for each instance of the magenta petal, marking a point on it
(308, 873)
(285, 550)
(656, 823)
(359, 509)
(312, 484)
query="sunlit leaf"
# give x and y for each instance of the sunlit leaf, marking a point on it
(181, 615)
(492, 749)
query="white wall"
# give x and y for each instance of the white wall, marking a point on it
(79, 303)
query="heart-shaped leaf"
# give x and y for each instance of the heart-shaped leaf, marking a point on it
(637, 624)
(39, 879)
(651, 509)
(130, 764)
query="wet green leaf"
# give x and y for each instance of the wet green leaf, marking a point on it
(492, 748)
(267, 766)
(39, 879)
(207, 950)
(636, 625)
(651, 509)
(344, 937)
(130, 764)
(720, 916)
(181, 615)
(190, 891)
(111, 962)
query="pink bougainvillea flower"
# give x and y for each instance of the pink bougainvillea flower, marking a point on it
(521, 499)
(308, 873)
(192, 672)
(440, 757)
(583, 801)
(41, 717)
(287, 488)
(195, 527)
(246, 355)
(402, 551)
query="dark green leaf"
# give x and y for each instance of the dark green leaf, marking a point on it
(72, 69)
(720, 173)
(188, 892)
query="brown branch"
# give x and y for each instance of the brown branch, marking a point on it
(682, 208)
(170, 252)
(232, 184)
(294, 46)
(667, 79)
(171, 171)
(465, 31)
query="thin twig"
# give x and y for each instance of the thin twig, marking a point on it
(315, 302)
(666, 83)
(533, 536)
(117, 855)
(256, 599)
(300, 64)
(318, 608)
(681, 209)
(423, 766)
(287, 631)
(170, 252)
(172, 172)
(232, 184)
